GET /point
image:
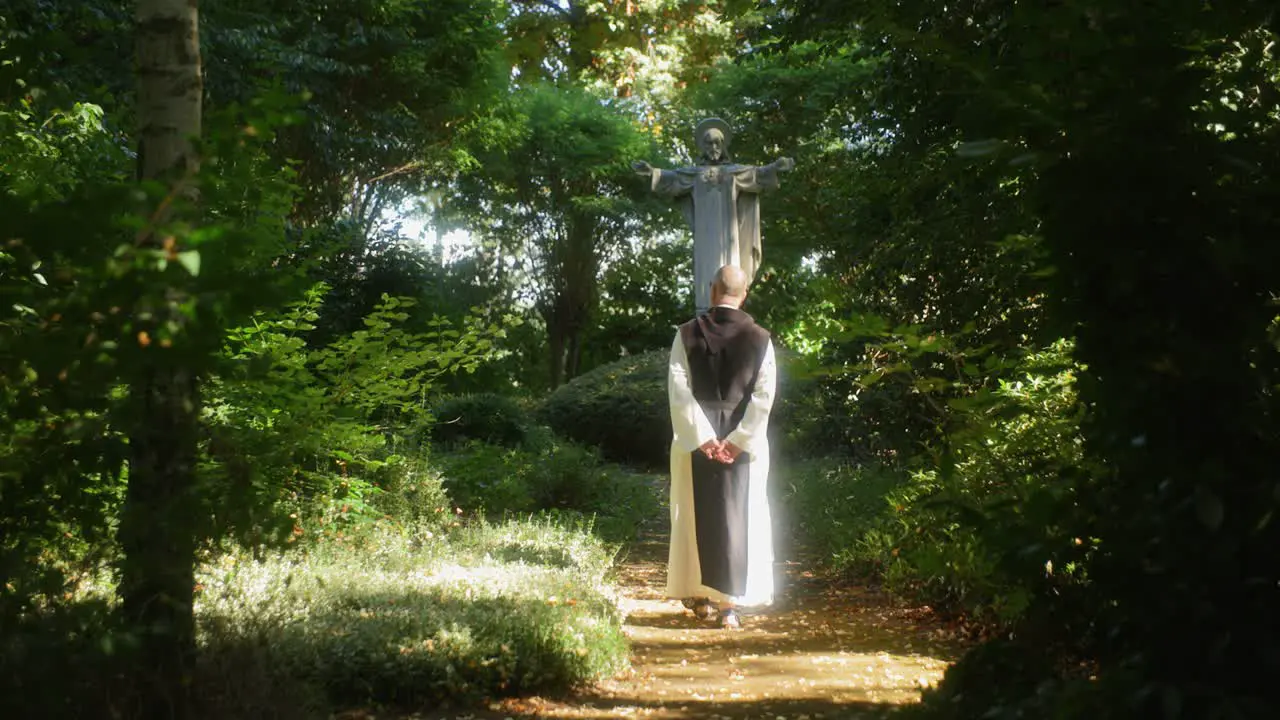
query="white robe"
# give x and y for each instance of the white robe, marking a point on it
(692, 429)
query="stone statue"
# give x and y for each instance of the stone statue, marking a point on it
(720, 201)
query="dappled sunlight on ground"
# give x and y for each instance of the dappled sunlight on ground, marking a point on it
(813, 654)
(816, 654)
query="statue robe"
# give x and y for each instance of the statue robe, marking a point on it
(722, 206)
(738, 541)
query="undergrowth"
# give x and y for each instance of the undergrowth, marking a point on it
(551, 477)
(970, 527)
(490, 610)
(391, 618)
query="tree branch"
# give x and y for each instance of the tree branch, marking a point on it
(407, 167)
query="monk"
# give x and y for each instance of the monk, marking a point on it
(721, 383)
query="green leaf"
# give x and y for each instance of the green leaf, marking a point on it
(871, 378)
(1209, 509)
(980, 148)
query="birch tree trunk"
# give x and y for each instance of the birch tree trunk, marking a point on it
(156, 527)
(170, 87)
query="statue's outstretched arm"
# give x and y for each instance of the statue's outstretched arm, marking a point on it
(783, 164)
(672, 183)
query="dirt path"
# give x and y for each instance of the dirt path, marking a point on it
(816, 654)
(812, 655)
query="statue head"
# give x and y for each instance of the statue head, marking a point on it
(713, 136)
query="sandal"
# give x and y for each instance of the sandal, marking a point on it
(705, 611)
(729, 620)
(701, 607)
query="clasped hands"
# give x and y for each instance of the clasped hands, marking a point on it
(720, 451)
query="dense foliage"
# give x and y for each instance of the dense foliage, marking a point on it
(1021, 280)
(551, 478)
(548, 189)
(1094, 173)
(385, 616)
(620, 408)
(488, 417)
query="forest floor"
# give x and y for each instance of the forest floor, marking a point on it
(818, 653)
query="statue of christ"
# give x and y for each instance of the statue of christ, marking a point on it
(720, 201)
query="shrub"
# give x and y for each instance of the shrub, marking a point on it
(990, 518)
(562, 477)
(980, 527)
(489, 417)
(293, 432)
(479, 477)
(405, 488)
(620, 408)
(380, 616)
(489, 611)
(800, 422)
(846, 512)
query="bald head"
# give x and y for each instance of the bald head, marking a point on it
(729, 287)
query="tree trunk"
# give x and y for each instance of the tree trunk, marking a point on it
(157, 531)
(169, 88)
(574, 359)
(577, 296)
(555, 344)
(156, 534)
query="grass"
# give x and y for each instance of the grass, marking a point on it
(489, 610)
(392, 618)
(400, 602)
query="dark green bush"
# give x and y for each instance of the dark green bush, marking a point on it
(562, 477)
(479, 477)
(846, 513)
(488, 417)
(620, 408)
(410, 491)
(799, 422)
(977, 529)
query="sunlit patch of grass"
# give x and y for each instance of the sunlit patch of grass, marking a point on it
(387, 615)
(486, 610)
(541, 540)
